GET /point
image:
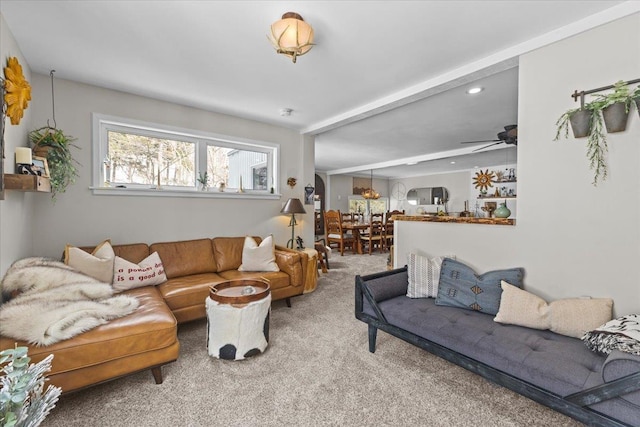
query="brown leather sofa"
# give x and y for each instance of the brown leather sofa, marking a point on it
(147, 338)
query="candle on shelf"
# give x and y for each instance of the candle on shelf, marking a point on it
(23, 155)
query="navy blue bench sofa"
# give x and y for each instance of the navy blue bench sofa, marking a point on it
(554, 370)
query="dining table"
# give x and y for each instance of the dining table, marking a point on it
(356, 228)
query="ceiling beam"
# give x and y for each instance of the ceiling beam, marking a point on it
(500, 61)
(418, 159)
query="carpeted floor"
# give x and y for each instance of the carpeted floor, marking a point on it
(316, 371)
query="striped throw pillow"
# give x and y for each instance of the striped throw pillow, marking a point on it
(424, 275)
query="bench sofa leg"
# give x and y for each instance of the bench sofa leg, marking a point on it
(288, 301)
(157, 374)
(373, 332)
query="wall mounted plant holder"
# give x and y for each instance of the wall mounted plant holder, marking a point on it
(608, 112)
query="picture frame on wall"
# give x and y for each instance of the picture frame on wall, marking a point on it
(308, 194)
(40, 165)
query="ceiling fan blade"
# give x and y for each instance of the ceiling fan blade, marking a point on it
(487, 146)
(475, 142)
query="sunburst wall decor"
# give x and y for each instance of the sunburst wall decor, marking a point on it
(17, 90)
(483, 180)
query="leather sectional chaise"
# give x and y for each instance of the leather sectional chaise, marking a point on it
(147, 338)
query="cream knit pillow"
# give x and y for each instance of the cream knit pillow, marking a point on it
(572, 317)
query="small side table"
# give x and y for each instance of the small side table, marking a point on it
(237, 321)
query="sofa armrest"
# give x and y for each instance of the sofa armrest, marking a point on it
(293, 263)
(374, 288)
(618, 365)
(386, 285)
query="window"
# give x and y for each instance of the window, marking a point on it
(359, 204)
(132, 155)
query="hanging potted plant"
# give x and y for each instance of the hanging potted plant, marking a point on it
(635, 96)
(55, 146)
(580, 120)
(615, 107)
(587, 121)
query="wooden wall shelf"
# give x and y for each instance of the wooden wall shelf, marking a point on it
(27, 183)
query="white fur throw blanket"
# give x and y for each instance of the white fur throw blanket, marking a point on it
(56, 302)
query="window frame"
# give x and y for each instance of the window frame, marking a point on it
(103, 123)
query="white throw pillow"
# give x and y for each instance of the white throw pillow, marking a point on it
(98, 264)
(424, 275)
(572, 316)
(258, 258)
(128, 275)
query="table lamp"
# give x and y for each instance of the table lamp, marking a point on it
(293, 207)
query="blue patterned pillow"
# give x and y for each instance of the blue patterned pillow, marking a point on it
(461, 287)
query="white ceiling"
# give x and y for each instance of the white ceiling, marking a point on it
(385, 82)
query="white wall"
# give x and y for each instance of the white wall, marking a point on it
(78, 217)
(17, 208)
(572, 238)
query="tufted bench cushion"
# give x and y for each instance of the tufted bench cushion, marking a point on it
(554, 362)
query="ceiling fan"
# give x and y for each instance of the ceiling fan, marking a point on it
(509, 136)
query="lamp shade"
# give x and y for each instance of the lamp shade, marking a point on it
(293, 206)
(291, 36)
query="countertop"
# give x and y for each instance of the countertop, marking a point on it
(457, 219)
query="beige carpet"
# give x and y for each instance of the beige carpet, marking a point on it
(316, 371)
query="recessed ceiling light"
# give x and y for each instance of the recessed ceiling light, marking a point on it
(411, 163)
(453, 163)
(474, 90)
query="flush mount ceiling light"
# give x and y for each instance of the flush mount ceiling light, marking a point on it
(291, 36)
(474, 90)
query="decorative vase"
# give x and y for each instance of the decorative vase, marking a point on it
(221, 187)
(503, 211)
(581, 123)
(615, 117)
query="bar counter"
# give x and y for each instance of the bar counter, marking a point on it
(457, 219)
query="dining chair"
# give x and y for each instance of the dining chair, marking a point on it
(346, 216)
(335, 233)
(375, 235)
(387, 235)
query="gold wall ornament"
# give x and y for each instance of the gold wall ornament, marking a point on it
(483, 180)
(291, 182)
(17, 90)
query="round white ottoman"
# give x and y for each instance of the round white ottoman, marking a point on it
(238, 319)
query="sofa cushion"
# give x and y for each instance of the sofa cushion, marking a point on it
(98, 264)
(461, 287)
(228, 252)
(129, 275)
(187, 291)
(134, 252)
(570, 316)
(186, 257)
(258, 257)
(276, 280)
